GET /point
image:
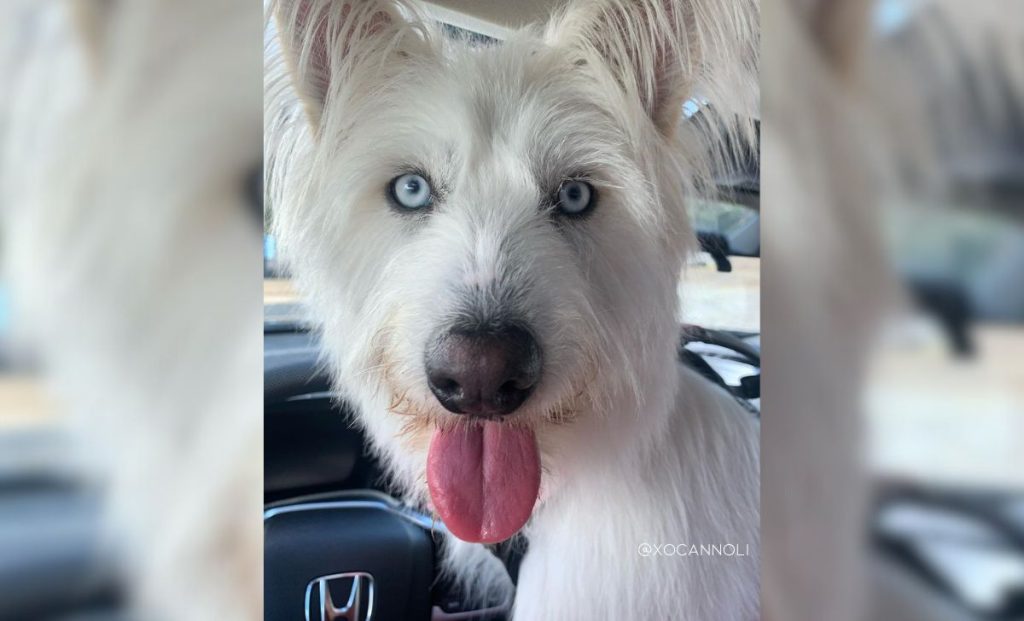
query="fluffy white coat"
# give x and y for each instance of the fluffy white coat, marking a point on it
(634, 449)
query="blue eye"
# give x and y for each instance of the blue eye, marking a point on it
(575, 197)
(411, 191)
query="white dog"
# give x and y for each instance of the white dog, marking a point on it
(490, 237)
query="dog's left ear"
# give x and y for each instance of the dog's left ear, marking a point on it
(662, 52)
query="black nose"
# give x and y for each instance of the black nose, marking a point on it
(484, 373)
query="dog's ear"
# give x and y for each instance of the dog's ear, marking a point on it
(322, 40)
(663, 52)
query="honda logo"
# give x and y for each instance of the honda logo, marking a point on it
(354, 589)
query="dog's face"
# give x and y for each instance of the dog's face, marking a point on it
(492, 237)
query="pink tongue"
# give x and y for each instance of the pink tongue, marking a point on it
(483, 480)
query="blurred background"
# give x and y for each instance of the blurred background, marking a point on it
(882, 276)
(892, 274)
(130, 306)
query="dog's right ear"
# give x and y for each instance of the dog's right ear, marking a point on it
(322, 40)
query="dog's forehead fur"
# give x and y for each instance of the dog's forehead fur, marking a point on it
(516, 117)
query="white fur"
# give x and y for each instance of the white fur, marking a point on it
(633, 449)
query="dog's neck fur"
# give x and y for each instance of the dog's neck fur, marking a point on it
(665, 494)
